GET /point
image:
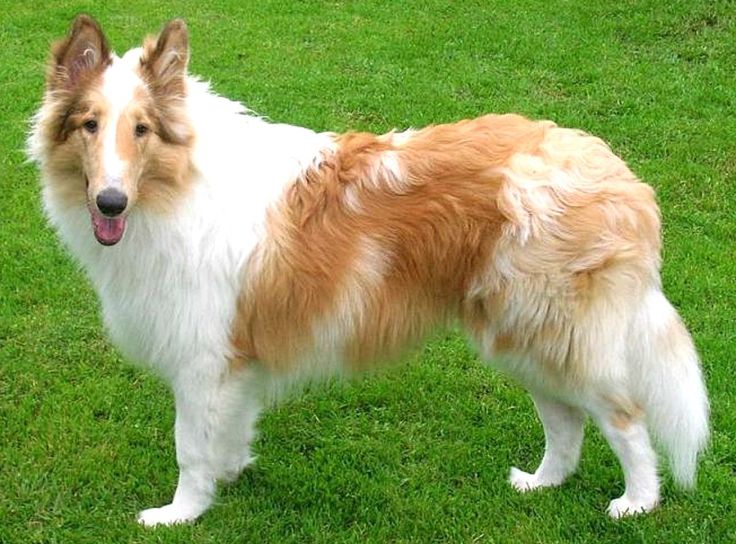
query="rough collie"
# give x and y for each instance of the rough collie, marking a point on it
(236, 256)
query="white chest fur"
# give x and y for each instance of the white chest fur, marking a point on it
(168, 289)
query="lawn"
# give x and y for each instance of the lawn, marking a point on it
(419, 453)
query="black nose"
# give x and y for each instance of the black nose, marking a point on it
(111, 202)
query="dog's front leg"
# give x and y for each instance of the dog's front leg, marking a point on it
(214, 425)
(193, 433)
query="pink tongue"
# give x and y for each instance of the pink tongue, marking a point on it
(108, 230)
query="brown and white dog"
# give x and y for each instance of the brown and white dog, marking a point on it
(236, 256)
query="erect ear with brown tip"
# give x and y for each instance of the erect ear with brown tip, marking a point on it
(164, 69)
(164, 63)
(83, 54)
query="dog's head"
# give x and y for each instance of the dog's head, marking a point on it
(115, 130)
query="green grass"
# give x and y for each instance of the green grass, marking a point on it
(419, 453)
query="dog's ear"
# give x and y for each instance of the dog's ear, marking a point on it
(164, 69)
(83, 54)
(164, 60)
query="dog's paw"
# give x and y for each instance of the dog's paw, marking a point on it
(624, 506)
(523, 481)
(166, 515)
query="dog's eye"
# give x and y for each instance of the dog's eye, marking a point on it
(141, 130)
(90, 126)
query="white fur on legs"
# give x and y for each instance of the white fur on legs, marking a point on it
(238, 431)
(563, 431)
(193, 496)
(214, 425)
(630, 442)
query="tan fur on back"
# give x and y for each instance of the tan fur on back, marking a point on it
(392, 236)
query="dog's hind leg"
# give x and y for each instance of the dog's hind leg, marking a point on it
(563, 432)
(627, 435)
(215, 419)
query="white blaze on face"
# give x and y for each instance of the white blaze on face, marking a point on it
(112, 166)
(118, 86)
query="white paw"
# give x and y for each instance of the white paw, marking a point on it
(523, 481)
(623, 506)
(166, 515)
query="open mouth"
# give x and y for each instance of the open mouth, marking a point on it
(108, 230)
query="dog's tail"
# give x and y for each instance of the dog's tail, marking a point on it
(670, 385)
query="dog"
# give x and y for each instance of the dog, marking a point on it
(237, 257)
